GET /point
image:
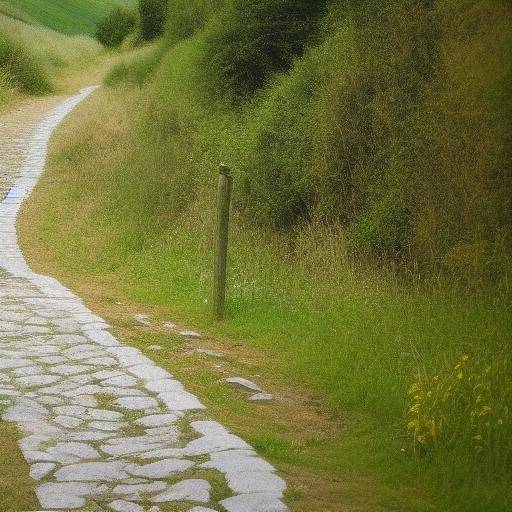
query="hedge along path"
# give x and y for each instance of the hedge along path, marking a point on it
(100, 422)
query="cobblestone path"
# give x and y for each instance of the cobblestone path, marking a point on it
(101, 423)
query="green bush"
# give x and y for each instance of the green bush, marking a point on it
(251, 41)
(187, 16)
(113, 29)
(366, 120)
(152, 14)
(21, 69)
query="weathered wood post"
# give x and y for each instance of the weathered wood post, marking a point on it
(221, 242)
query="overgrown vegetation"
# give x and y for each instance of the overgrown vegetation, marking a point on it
(114, 28)
(371, 243)
(152, 15)
(31, 57)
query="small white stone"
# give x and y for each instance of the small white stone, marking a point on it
(190, 334)
(142, 319)
(244, 383)
(261, 397)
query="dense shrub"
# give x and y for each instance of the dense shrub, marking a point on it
(113, 29)
(20, 69)
(250, 41)
(185, 17)
(152, 14)
(391, 120)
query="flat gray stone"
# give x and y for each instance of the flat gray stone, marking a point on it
(125, 506)
(33, 381)
(142, 319)
(40, 470)
(72, 452)
(70, 369)
(91, 472)
(244, 383)
(190, 334)
(158, 420)
(136, 403)
(208, 352)
(149, 372)
(164, 385)
(126, 446)
(101, 337)
(247, 482)
(68, 421)
(108, 426)
(70, 410)
(236, 461)
(180, 401)
(104, 415)
(259, 502)
(261, 397)
(214, 443)
(161, 469)
(124, 381)
(186, 490)
(136, 489)
(66, 495)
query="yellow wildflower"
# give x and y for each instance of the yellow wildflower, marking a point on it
(460, 375)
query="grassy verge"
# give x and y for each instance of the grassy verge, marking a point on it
(16, 487)
(344, 340)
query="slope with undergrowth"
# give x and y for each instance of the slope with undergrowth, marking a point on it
(68, 16)
(34, 59)
(370, 245)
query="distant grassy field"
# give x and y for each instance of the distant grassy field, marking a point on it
(69, 16)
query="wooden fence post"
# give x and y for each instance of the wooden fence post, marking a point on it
(221, 242)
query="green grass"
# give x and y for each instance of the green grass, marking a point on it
(16, 489)
(335, 153)
(355, 334)
(69, 16)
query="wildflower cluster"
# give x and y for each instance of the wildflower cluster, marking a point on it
(460, 405)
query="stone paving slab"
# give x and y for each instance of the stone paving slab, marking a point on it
(150, 443)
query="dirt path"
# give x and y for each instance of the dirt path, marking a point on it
(100, 421)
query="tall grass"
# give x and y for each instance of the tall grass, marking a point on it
(31, 57)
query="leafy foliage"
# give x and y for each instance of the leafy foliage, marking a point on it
(113, 29)
(251, 41)
(152, 14)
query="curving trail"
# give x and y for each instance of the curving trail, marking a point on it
(101, 423)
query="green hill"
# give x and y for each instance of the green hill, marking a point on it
(69, 16)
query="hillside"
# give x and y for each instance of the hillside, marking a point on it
(68, 16)
(370, 254)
